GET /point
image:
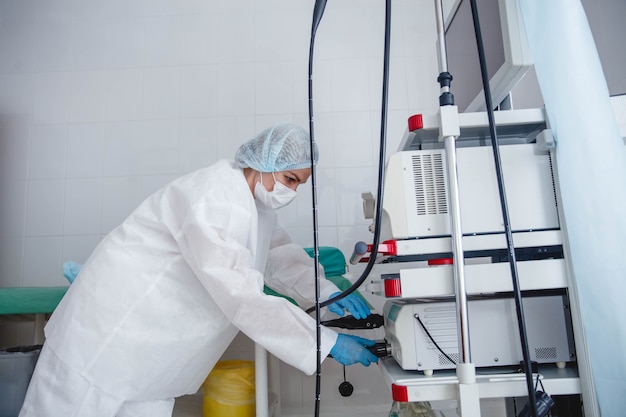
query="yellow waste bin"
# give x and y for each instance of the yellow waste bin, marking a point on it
(229, 391)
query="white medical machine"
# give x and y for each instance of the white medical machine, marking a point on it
(417, 275)
(422, 323)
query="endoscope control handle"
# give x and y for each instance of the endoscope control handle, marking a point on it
(373, 321)
(360, 249)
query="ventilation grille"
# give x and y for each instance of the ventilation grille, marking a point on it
(444, 361)
(545, 353)
(430, 186)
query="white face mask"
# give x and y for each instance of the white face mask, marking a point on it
(279, 197)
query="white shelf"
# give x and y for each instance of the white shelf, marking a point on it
(492, 383)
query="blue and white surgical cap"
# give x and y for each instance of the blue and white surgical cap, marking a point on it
(282, 147)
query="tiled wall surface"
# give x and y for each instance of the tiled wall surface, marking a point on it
(103, 102)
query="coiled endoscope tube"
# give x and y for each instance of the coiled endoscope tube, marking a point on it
(505, 211)
(381, 168)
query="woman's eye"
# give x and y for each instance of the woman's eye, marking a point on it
(290, 180)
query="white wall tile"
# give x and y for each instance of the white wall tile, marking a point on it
(54, 10)
(350, 85)
(342, 35)
(124, 94)
(324, 138)
(198, 7)
(322, 86)
(149, 184)
(11, 261)
(43, 265)
(162, 7)
(163, 40)
(44, 211)
(85, 150)
(122, 148)
(14, 149)
(397, 94)
(88, 96)
(159, 147)
(13, 213)
(120, 196)
(124, 8)
(236, 89)
(422, 87)
(90, 10)
(278, 34)
(124, 42)
(234, 6)
(83, 206)
(16, 94)
(53, 45)
(48, 151)
(300, 87)
(274, 88)
(198, 91)
(161, 92)
(17, 46)
(232, 132)
(350, 182)
(198, 143)
(238, 28)
(326, 204)
(352, 139)
(78, 248)
(88, 44)
(51, 97)
(18, 10)
(199, 39)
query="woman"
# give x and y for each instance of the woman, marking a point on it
(164, 294)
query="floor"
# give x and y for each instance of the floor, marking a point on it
(188, 406)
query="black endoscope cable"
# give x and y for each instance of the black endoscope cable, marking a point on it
(505, 211)
(318, 12)
(381, 169)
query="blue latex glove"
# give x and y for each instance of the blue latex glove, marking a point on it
(71, 270)
(355, 306)
(350, 349)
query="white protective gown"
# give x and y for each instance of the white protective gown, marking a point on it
(164, 294)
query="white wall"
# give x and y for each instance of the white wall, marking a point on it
(103, 102)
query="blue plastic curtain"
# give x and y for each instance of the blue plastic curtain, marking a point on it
(591, 163)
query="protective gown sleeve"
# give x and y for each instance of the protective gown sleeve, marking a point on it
(213, 241)
(290, 271)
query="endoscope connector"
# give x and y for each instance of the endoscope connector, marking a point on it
(544, 403)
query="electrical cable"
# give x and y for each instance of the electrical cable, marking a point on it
(381, 169)
(419, 320)
(505, 210)
(318, 12)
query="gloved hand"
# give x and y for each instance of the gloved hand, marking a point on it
(355, 306)
(350, 349)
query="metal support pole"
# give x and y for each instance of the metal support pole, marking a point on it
(261, 382)
(449, 130)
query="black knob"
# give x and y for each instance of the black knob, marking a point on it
(345, 389)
